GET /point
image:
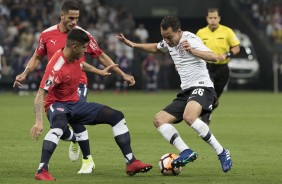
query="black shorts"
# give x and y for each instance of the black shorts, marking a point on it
(205, 96)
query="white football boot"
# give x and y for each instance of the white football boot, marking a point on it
(74, 151)
(88, 166)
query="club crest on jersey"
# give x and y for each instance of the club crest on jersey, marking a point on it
(48, 83)
(181, 51)
(60, 109)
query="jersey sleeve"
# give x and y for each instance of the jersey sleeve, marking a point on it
(162, 46)
(232, 38)
(41, 46)
(51, 76)
(48, 80)
(93, 49)
(197, 44)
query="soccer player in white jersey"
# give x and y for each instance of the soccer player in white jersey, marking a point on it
(197, 96)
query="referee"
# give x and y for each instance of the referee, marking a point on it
(224, 43)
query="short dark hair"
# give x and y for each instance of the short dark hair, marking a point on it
(170, 21)
(69, 5)
(77, 36)
(212, 10)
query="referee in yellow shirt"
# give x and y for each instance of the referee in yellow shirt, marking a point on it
(224, 43)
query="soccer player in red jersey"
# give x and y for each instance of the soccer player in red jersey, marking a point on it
(53, 39)
(58, 94)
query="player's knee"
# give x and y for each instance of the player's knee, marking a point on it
(78, 128)
(67, 135)
(158, 120)
(60, 121)
(54, 135)
(189, 119)
(116, 117)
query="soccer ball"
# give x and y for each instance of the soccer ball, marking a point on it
(165, 165)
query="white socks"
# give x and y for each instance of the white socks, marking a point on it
(204, 132)
(171, 135)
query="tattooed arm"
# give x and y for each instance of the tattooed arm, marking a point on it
(37, 128)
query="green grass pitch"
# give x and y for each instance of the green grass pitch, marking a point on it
(249, 124)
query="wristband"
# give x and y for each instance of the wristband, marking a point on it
(229, 54)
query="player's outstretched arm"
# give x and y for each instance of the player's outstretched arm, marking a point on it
(107, 61)
(105, 72)
(127, 42)
(37, 128)
(31, 66)
(129, 79)
(148, 47)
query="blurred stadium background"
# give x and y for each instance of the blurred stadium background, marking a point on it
(21, 22)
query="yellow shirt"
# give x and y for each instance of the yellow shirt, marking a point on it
(219, 41)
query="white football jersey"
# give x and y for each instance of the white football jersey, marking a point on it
(191, 69)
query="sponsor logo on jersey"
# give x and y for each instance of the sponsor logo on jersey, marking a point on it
(54, 42)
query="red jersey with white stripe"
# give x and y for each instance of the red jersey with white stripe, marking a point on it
(52, 39)
(61, 79)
